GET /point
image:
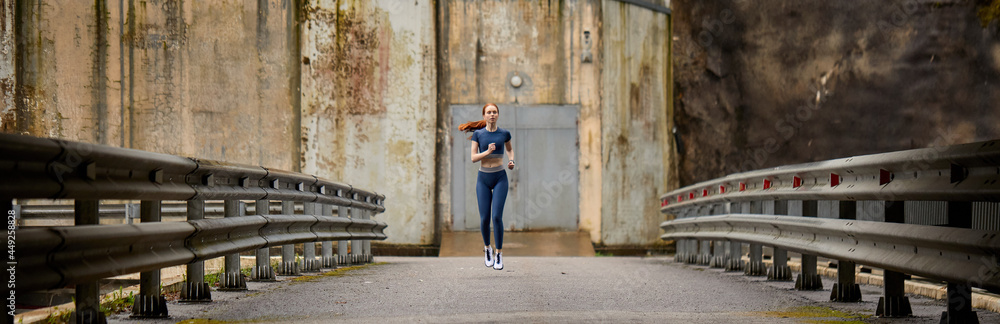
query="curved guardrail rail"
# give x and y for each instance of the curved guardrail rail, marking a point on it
(907, 212)
(55, 256)
(967, 172)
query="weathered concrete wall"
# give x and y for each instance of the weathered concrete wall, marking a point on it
(762, 84)
(368, 98)
(7, 52)
(355, 91)
(482, 44)
(637, 145)
(208, 79)
(622, 93)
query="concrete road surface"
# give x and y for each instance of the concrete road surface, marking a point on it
(538, 290)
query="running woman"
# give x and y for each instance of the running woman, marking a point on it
(491, 183)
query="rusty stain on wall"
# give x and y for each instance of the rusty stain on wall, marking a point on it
(635, 115)
(367, 80)
(359, 61)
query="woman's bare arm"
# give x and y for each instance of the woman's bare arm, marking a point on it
(476, 157)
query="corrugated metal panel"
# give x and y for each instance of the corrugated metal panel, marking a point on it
(871, 210)
(986, 216)
(827, 208)
(926, 212)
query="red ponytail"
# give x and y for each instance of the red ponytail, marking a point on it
(472, 126)
(476, 125)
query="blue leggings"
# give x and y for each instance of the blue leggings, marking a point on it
(491, 189)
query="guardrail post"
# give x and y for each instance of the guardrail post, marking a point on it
(719, 251)
(779, 270)
(232, 277)
(356, 248)
(342, 257)
(756, 265)
(959, 294)
(809, 279)
(149, 303)
(734, 259)
(720, 247)
(131, 213)
(195, 289)
(692, 245)
(846, 290)
(679, 251)
(367, 244)
(88, 294)
(893, 302)
(328, 260)
(705, 252)
(309, 262)
(704, 255)
(262, 271)
(289, 267)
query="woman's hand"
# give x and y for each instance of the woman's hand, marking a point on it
(510, 165)
(491, 148)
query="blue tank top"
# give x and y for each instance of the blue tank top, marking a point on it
(485, 137)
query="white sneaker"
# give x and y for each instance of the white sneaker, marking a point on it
(489, 256)
(498, 265)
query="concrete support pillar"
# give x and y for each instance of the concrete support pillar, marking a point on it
(893, 302)
(309, 262)
(88, 294)
(195, 289)
(846, 290)
(262, 271)
(289, 267)
(149, 303)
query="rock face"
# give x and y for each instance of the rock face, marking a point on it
(767, 83)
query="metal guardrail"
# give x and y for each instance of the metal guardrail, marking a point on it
(54, 256)
(855, 210)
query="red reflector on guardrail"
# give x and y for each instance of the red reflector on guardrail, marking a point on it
(884, 177)
(691, 195)
(796, 182)
(704, 192)
(722, 189)
(743, 186)
(834, 179)
(767, 184)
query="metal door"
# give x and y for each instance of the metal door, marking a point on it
(543, 188)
